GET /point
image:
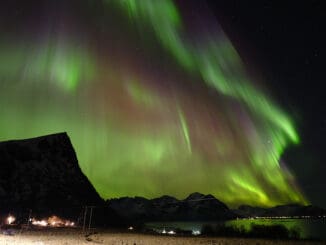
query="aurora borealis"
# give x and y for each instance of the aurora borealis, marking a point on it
(155, 98)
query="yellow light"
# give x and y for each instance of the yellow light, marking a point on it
(11, 219)
(40, 222)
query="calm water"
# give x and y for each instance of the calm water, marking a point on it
(315, 228)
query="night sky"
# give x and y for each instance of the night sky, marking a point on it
(163, 97)
(285, 44)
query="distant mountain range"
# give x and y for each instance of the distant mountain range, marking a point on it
(290, 210)
(196, 207)
(199, 207)
(43, 174)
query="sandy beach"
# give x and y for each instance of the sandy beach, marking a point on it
(76, 236)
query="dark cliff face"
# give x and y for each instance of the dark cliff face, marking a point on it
(43, 173)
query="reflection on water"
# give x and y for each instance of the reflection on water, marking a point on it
(308, 228)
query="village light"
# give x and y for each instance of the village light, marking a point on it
(11, 219)
(40, 222)
(196, 232)
(53, 221)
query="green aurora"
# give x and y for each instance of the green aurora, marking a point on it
(151, 107)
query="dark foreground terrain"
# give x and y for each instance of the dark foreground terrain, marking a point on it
(76, 236)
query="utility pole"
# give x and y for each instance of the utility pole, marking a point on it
(84, 220)
(29, 218)
(90, 218)
(85, 229)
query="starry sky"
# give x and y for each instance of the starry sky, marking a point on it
(285, 44)
(171, 97)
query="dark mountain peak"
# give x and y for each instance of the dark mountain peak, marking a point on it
(312, 211)
(244, 206)
(248, 207)
(125, 201)
(62, 137)
(43, 172)
(141, 199)
(195, 196)
(48, 136)
(165, 199)
(249, 211)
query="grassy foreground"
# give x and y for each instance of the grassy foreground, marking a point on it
(76, 236)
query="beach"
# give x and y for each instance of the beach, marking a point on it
(77, 236)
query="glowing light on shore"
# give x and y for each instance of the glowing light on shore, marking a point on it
(10, 220)
(39, 222)
(171, 232)
(196, 232)
(53, 221)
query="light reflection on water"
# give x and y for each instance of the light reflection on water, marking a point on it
(308, 228)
